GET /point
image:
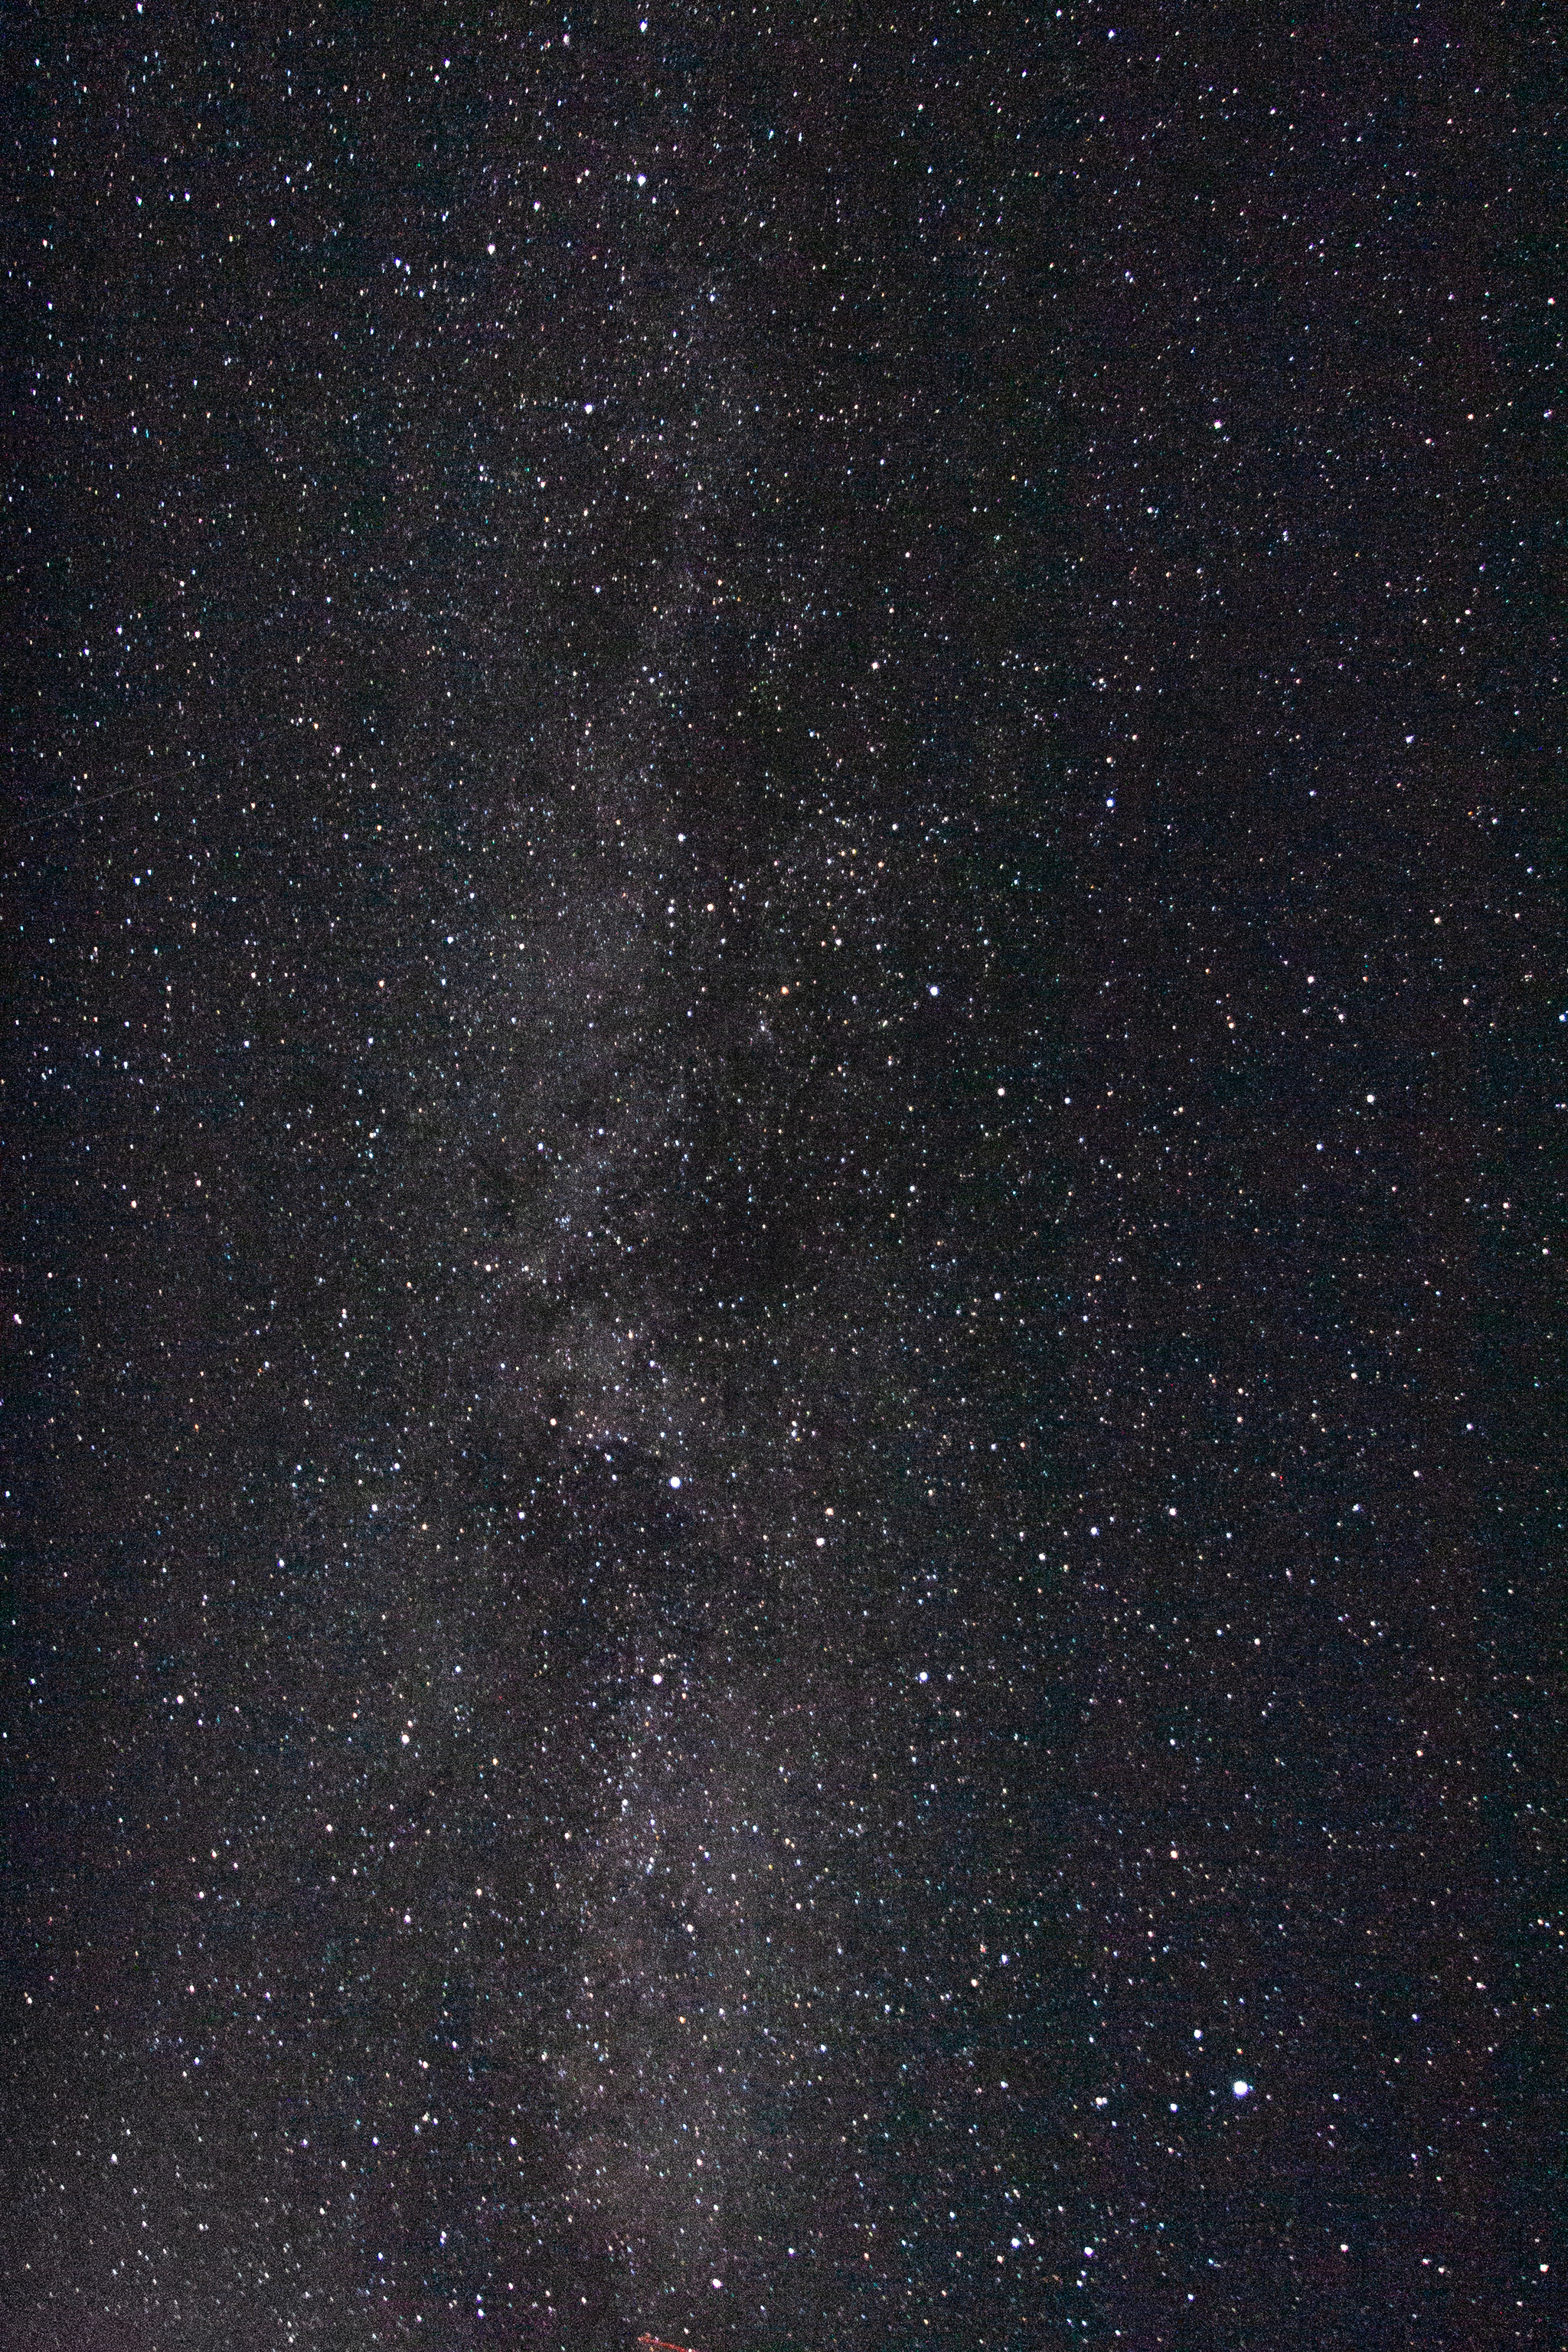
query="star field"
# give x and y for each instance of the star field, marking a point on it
(782, 1085)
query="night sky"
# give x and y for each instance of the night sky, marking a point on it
(782, 1059)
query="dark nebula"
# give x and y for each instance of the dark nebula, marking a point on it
(782, 1060)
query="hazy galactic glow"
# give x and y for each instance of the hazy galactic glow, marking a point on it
(785, 909)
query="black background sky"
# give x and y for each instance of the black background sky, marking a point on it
(784, 1029)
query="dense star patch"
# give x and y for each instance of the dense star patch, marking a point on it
(780, 1102)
